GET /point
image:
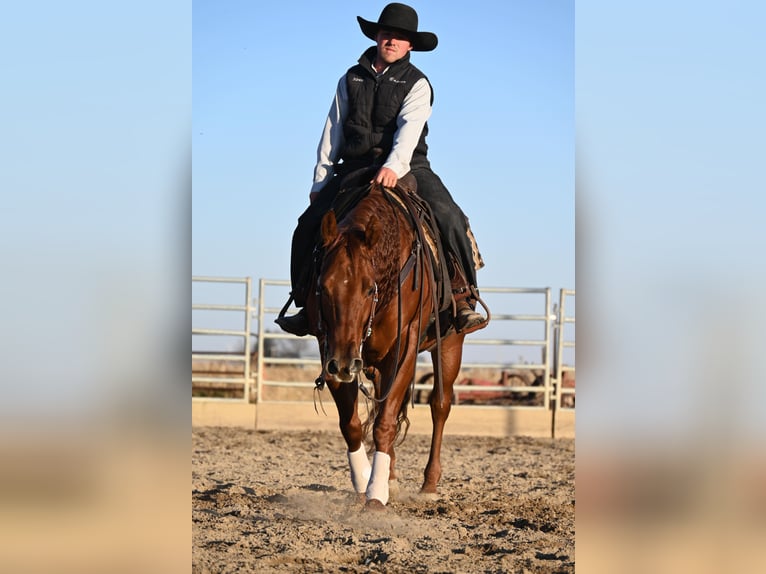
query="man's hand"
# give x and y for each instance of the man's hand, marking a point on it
(386, 177)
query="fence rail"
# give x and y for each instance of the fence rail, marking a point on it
(249, 377)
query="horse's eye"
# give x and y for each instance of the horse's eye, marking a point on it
(371, 290)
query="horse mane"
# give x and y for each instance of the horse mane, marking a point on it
(376, 216)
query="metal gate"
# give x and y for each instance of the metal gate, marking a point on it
(542, 332)
(237, 381)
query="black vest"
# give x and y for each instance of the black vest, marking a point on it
(374, 104)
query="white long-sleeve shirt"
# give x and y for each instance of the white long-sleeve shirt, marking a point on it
(416, 109)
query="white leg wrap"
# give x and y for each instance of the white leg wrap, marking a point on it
(360, 469)
(381, 469)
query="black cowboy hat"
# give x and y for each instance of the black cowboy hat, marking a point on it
(400, 18)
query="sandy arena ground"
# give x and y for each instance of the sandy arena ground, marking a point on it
(283, 502)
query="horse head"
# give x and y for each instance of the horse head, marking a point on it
(347, 294)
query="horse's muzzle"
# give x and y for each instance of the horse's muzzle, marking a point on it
(344, 372)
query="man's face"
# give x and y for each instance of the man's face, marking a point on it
(392, 46)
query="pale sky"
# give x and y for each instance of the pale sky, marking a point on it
(501, 134)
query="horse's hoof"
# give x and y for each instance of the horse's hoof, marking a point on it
(428, 495)
(375, 505)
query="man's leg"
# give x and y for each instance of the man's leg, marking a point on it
(458, 242)
(302, 249)
(301, 257)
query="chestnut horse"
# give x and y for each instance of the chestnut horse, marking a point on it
(371, 314)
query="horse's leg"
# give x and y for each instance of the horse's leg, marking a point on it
(392, 476)
(384, 431)
(345, 396)
(393, 483)
(392, 466)
(451, 358)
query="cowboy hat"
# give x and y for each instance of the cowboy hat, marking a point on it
(400, 18)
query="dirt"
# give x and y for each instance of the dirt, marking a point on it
(267, 501)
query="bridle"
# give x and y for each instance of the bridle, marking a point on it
(367, 331)
(373, 308)
(320, 382)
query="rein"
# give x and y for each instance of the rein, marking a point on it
(412, 211)
(408, 266)
(413, 262)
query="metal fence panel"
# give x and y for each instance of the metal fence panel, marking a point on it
(227, 382)
(493, 346)
(563, 342)
(268, 308)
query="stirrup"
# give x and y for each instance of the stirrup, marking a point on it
(284, 309)
(296, 324)
(475, 294)
(466, 318)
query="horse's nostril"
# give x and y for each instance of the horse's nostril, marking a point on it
(356, 366)
(332, 367)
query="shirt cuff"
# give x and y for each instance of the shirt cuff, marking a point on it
(400, 168)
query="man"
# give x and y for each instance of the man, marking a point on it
(379, 114)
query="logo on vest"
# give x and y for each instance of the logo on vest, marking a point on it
(356, 79)
(397, 81)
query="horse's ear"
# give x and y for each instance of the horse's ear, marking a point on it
(372, 233)
(329, 228)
